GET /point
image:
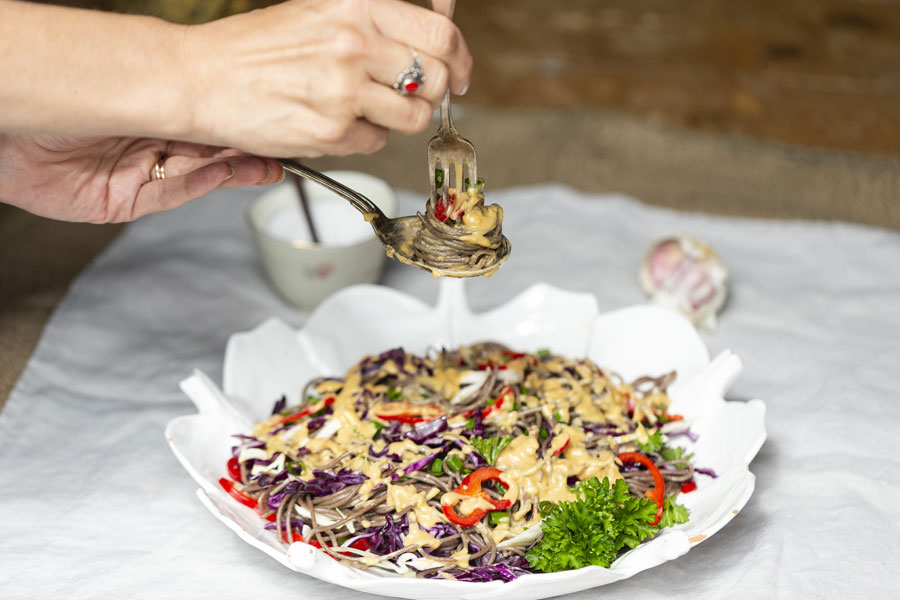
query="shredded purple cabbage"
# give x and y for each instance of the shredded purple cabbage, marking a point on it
(374, 454)
(690, 434)
(249, 442)
(442, 530)
(422, 462)
(279, 405)
(395, 354)
(424, 433)
(477, 428)
(389, 537)
(600, 429)
(323, 483)
(707, 472)
(316, 423)
(476, 460)
(495, 572)
(393, 432)
(294, 523)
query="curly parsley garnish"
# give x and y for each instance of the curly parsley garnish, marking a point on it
(592, 529)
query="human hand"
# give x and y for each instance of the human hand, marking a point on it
(107, 179)
(312, 77)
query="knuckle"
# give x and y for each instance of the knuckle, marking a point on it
(445, 37)
(332, 131)
(348, 43)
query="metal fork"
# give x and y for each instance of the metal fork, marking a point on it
(448, 147)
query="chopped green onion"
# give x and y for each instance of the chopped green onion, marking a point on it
(378, 427)
(543, 352)
(524, 390)
(438, 178)
(294, 468)
(479, 182)
(498, 517)
(437, 467)
(559, 418)
(454, 463)
(394, 393)
(466, 183)
(470, 424)
(543, 434)
(545, 507)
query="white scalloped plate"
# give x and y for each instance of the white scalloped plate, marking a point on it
(274, 359)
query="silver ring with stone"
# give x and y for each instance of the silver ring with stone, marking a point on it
(410, 80)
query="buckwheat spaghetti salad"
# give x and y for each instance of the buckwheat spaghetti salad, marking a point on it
(458, 231)
(475, 464)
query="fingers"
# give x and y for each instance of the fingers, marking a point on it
(248, 170)
(384, 106)
(183, 184)
(389, 59)
(429, 33)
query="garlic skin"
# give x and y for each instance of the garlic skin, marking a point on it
(683, 273)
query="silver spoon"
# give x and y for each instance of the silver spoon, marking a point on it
(396, 235)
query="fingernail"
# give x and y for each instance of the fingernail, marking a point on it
(283, 174)
(465, 88)
(230, 175)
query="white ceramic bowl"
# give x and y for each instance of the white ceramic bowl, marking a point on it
(275, 359)
(348, 252)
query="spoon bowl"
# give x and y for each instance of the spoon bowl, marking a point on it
(396, 235)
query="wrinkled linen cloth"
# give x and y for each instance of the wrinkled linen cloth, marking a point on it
(93, 504)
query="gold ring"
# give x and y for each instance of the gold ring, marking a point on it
(159, 169)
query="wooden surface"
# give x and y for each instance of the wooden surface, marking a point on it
(820, 73)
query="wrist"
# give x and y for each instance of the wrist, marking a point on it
(200, 80)
(170, 106)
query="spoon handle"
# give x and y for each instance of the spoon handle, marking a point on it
(359, 202)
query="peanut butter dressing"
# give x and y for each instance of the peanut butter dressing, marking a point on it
(567, 393)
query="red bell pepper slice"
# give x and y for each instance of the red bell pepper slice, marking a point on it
(688, 486)
(413, 413)
(562, 448)
(471, 486)
(440, 210)
(305, 412)
(238, 495)
(658, 492)
(505, 392)
(234, 468)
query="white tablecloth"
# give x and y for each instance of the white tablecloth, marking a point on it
(94, 505)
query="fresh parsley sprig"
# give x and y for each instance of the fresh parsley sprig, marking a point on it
(593, 528)
(654, 443)
(490, 448)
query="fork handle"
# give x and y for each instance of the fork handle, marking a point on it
(359, 202)
(445, 7)
(446, 120)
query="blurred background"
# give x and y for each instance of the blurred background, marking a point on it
(761, 108)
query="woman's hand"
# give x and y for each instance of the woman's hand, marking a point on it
(313, 77)
(300, 79)
(106, 180)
